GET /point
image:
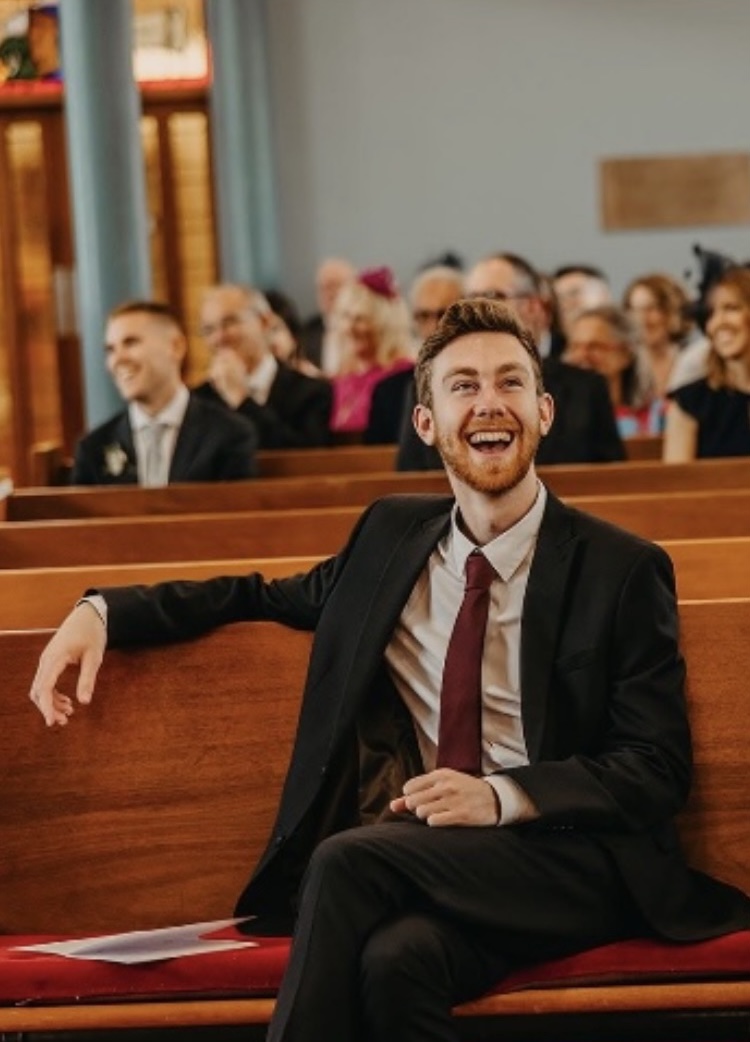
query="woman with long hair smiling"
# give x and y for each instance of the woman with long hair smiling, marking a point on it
(711, 417)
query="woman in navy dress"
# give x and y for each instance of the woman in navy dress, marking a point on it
(711, 417)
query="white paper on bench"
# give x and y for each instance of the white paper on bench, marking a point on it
(146, 945)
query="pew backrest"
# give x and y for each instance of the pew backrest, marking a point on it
(359, 489)
(317, 532)
(152, 805)
(34, 598)
(40, 597)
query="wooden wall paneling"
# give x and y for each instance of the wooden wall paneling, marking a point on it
(12, 424)
(67, 340)
(173, 260)
(32, 165)
(190, 152)
(154, 195)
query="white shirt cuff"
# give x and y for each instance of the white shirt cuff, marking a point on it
(97, 602)
(515, 805)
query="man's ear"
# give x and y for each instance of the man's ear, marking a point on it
(423, 424)
(546, 413)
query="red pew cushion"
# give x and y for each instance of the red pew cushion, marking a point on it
(36, 978)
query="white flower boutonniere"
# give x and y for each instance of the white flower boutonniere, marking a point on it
(115, 460)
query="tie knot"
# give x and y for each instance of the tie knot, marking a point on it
(479, 571)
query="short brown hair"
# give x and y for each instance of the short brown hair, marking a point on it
(472, 315)
(155, 308)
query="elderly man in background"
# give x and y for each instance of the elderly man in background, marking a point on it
(289, 408)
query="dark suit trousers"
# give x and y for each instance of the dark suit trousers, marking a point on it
(400, 921)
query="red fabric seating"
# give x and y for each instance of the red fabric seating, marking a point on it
(35, 978)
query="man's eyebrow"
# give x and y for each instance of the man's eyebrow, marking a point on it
(460, 370)
(500, 370)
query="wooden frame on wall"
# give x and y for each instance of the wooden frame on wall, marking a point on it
(678, 191)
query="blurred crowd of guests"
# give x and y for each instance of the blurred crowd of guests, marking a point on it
(641, 365)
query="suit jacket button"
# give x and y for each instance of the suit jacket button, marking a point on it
(279, 839)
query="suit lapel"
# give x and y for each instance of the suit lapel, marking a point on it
(122, 437)
(396, 582)
(542, 618)
(187, 443)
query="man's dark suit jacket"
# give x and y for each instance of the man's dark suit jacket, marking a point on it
(212, 445)
(584, 429)
(296, 415)
(390, 400)
(602, 696)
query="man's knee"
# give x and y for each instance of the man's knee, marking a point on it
(404, 951)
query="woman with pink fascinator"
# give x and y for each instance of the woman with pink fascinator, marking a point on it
(372, 327)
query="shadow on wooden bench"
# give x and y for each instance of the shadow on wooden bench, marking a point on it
(154, 803)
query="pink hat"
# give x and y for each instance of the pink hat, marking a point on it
(380, 281)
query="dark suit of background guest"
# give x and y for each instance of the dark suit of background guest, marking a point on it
(584, 429)
(211, 445)
(296, 415)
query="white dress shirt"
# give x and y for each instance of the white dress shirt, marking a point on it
(416, 652)
(259, 382)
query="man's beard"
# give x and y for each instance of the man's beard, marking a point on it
(496, 476)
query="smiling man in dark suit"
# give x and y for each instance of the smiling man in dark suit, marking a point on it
(418, 867)
(165, 434)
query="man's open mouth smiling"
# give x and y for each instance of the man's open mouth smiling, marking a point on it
(490, 441)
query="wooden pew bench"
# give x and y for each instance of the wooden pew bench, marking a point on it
(152, 805)
(358, 489)
(317, 532)
(36, 598)
(40, 597)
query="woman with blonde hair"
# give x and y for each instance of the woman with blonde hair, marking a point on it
(711, 416)
(372, 329)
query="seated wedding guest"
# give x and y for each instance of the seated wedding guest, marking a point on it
(578, 287)
(711, 416)
(603, 339)
(584, 429)
(289, 409)
(166, 434)
(657, 305)
(371, 326)
(430, 295)
(285, 332)
(318, 341)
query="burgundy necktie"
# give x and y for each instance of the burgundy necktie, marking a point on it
(460, 737)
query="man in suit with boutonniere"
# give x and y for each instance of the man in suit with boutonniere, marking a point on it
(166, 434)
